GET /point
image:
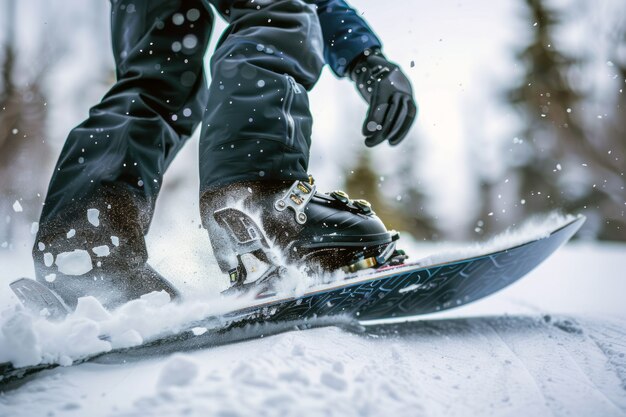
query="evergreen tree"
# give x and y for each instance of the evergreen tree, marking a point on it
(406, 211)
(22, 145)
(559, 164)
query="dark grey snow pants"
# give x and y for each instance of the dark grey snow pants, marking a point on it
(255, 118)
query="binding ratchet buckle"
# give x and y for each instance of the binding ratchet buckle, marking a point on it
(297, 197)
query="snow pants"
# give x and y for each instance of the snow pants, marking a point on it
(255, 118)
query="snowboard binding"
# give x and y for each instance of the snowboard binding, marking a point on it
(323, 232)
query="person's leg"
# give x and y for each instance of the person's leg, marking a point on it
(254, 149)
(257, 123)
(102, 193)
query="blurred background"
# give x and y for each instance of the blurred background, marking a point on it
(522, 111)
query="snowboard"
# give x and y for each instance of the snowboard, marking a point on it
(401, 291)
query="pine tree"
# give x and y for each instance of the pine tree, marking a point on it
(407, 210)
(559, 163)
(22, 129)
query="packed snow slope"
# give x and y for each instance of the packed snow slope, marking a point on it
(552, 344)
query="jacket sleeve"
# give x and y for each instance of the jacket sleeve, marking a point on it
(346, 35)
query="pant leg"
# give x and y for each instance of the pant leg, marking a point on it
(115, 160)
(257, 124)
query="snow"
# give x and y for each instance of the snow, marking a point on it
(48, 259)
(552, 344)
(76, 262)
(93, 216)
(101, 251)
(178, 371)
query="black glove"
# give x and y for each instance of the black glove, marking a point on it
(388, 92)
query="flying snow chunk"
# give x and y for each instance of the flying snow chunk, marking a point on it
(71, 233)
(48, 259)
(179, 371)
(93, 216)
(90, 308)
(17, 207)
(198, 331)
(101, 250)
(77, 262)
(41, 246)
(115, 240)
(50, 277)
(34, 228)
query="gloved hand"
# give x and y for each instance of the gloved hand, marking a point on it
(388, 92)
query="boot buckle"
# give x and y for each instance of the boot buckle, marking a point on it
(297, 198)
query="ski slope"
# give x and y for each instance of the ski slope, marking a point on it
(553, 344)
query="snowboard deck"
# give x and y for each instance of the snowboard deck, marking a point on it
(389, 292)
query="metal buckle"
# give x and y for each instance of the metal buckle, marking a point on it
(297, 197)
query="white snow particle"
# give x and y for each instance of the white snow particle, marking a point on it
(101, 250)
(48, 259)
(115, 240)
(41, 246)
(77, 262)
(372, 126)
(17, 207)
(93, 216)
(34, 228)
(197, 331)
(50, 277)
(193, 14)
(178, 19)
(71, 233)
(190, 41)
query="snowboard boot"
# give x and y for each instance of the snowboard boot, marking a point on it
(278, 223)
(97, 249)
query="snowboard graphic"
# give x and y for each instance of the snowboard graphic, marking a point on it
(390, 292)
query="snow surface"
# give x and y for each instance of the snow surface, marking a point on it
(552, 344)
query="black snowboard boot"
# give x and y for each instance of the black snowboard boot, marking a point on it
(97, 248)
(322, 231)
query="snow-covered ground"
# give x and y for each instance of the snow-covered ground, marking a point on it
(552, 344)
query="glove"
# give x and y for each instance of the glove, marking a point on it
(390, 97)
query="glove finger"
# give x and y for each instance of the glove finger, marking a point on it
(382, 129)
(373, 125)
(395, 104)
(395, 125)
(406, 123)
